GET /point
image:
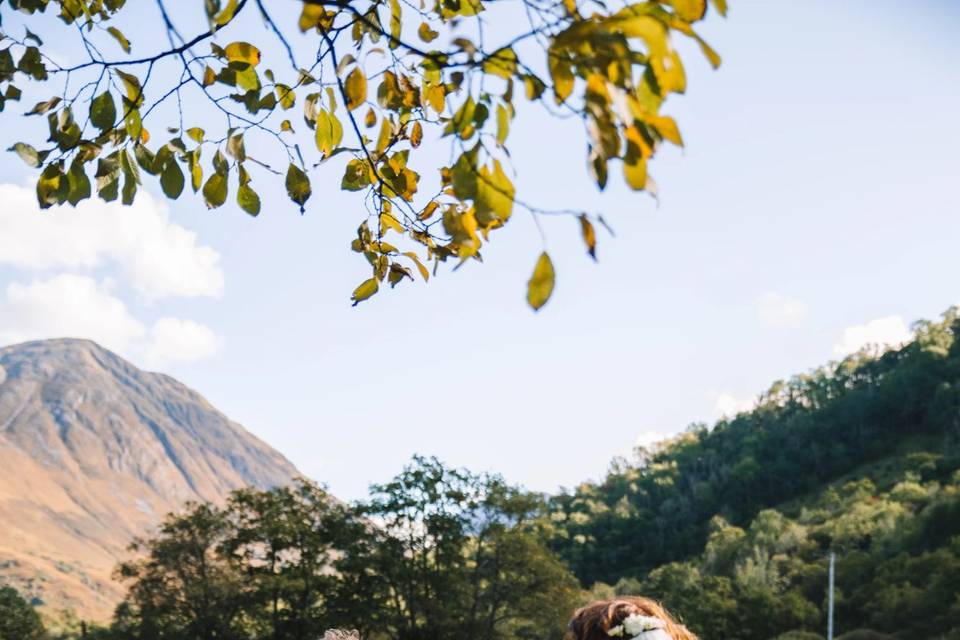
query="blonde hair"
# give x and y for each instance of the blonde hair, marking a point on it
(593, 621)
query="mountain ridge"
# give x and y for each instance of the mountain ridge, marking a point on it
(93, 452)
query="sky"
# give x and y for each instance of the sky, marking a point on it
(814, 209)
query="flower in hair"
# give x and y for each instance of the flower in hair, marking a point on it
(637, 627)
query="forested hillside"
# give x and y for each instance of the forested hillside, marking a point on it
(732, 525)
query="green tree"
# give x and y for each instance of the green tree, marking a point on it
(373, 80)
(183, 588)
(463, 555)
(18, 620)
(285, 544)
(436, 553)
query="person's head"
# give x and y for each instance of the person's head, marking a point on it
(596, 621)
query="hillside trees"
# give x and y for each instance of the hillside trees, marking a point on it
(804, 432)
(18, 620)
(436, 553)
(212, 105)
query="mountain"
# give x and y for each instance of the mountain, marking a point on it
(93, 452)
(732, 525)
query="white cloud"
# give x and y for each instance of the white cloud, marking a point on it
(727, 405)
(174, 339)
(69, 305)
(777, 310)
(889, 331)
(158, 258)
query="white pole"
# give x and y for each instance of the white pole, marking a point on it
(833, 557)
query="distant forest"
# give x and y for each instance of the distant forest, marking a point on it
(729, 526)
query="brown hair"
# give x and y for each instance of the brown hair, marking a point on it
(594, 620)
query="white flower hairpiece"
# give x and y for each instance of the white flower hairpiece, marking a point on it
(637, 627)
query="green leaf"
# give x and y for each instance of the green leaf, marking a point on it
(196, 170)
(133, 124)
(366, 289)
(132, 84)
(172, 180)
(120, 38)
(464, 174)
(103, 111)
(298, 186)
(27, 153)
(42, 107)
(52, 187)
(248, 200)
(329, 132)
(78, 183)
(356, 176)
(286, 96)
(31, 63)
(215, 190)
(540, 286)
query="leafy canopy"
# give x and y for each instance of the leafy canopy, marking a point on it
(435, 553)
(384, 75)
(18, 620)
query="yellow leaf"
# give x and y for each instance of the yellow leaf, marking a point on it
(636, 173)
(396, 23)
(667, 127)
(416, 260)
(708, 51)
(387, 221)
(428, 211)
(562, 76)
(426, 33)
(226, 15)
(310, 16)
(366, 289)
(501, 63)
(132, 84)
(495, 193)
(209, 77)
(416, 135)
(690, 10)
(589, 236)
(386, 133)
(436, 96)
(355, 87)
(540, 286)
(120, 38)
(503, 124)
(243, 53)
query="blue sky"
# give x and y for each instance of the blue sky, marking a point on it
(814, 207)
